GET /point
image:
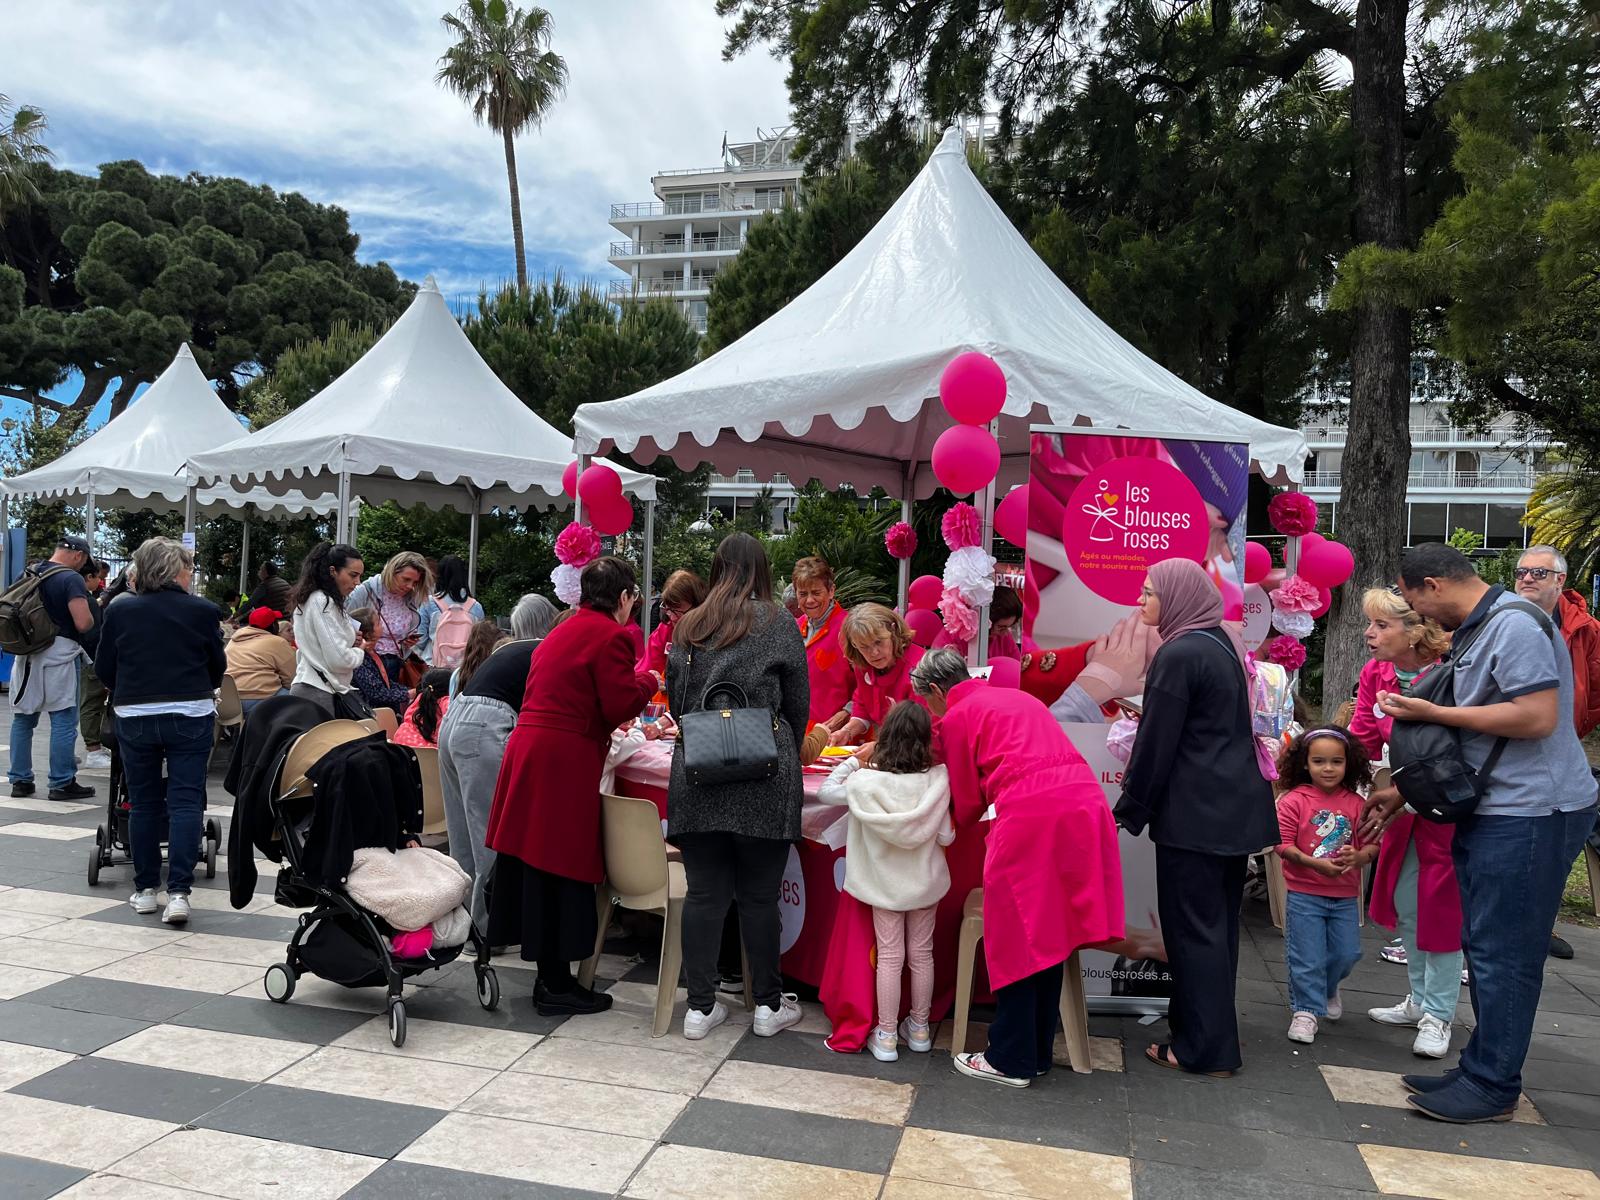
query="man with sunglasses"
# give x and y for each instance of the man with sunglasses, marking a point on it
(1541, 577)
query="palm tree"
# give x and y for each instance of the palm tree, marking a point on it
(1564, 512)
(21, 154)
(500, 66)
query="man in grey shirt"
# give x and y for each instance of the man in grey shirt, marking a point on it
(1514, 682)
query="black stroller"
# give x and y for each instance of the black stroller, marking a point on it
(338, 940)
(112, 845)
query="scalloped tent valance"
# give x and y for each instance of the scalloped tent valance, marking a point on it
(841, 384)
(419, 419)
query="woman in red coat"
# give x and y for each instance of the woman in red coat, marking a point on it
(545, 821)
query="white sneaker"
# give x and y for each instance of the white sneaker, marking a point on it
(1303, 1028)
(97, 760)
(1404, 1013)
(775, 1020)
(1433, 1037)
(697, 1024)
(918, 1038)
(1336, 1006)
(144, 902)
(884, 1046)
(177, 909)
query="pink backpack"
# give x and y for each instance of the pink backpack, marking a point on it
(451, 630)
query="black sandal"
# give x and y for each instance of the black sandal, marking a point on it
(1161, 1054)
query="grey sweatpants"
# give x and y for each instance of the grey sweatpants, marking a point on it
(472, 741)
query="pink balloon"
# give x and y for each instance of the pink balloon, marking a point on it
(597, 484)
(1257, 562)
(1005, 672)
(1011, 517)
(965, 458)
(924, 592)
(1326, 601)
(925, 626)
(611, 517)
(973, 388)
(569, 479)
(1327, 564)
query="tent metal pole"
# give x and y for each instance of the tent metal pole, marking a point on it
(577, 501)
(356, 505)
(342, 521)
(472, 539)
(191, 539)
(5, 535)
(244, 555)
(906, 494)
(88, 522)
(649, 564)
(978, 653)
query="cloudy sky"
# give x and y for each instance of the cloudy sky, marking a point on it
(338, 101)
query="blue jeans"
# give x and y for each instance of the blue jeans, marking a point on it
(63, 743)
(1511, 871)
(184, 745)
(246, 705)
(1322, 946)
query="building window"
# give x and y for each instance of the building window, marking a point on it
(1467, 516)
(1428, 523)
(1505, 527)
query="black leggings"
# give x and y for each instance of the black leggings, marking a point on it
(724, 867)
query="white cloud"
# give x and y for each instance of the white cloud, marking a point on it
(338, 101)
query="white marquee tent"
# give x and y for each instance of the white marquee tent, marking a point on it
(841, 384)
(419, 419)
(137, 460)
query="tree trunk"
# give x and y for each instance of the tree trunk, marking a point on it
(124, 393)
(1377, 455)
(516, 213)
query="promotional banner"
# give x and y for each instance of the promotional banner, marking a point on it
(1103, 507)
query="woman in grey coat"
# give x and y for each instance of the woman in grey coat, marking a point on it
(735, 837)
(472, 741)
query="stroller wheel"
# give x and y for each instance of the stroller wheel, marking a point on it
(488, 989)
(211, 859)
(279, 982)
(397, 1022)
(95, 855)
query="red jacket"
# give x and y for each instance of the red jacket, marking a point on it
(581, 686)
(1582, 632)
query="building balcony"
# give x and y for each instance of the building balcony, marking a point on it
(667, 289)
(1334, 433)
(677, 247)
(1511, 480)
(737, 204)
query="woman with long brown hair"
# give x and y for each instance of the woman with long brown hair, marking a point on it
(735, 837)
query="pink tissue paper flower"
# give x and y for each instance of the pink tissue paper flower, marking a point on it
(901, 540)
(961, 527)
(577, 545)
(1286, 651)
(1295, 594)
(1294, 513)
(960, 618)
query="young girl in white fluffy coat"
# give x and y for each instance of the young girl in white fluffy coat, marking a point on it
(894, 861)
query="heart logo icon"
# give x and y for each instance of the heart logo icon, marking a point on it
(1109, 498)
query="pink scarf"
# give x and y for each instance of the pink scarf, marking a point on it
(1190, 601)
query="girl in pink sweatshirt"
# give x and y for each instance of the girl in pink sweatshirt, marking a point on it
(1322, 856)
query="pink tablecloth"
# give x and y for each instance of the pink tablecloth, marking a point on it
(827, 933)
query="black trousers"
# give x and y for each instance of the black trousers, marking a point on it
(1026, 1016)
(722, 868)
(1198, 898)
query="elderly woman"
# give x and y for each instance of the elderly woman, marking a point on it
(1052, 876)
(378, 686)
(161, 658)
(821, 625)
(683, 591)
(545, 820)
(472, 738)
(1414, 888)
(878, 645)
(397, 597)
(1194, 780)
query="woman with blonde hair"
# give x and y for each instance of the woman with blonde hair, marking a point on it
(396, 597)
(878, 646)
(1414, 889)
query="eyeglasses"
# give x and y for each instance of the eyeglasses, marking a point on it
(1535, 572)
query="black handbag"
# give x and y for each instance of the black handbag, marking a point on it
(727, 741)
(1429, 766)
(347, 706)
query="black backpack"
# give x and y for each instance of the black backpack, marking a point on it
(25, 626)
(1429, 767)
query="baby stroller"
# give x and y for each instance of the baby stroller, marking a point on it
(338, 940)
(112, 846)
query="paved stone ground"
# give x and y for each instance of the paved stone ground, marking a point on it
(140, 1061)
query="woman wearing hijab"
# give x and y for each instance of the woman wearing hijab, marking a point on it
(1193, 779)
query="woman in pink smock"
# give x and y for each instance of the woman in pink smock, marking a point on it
(1414, 888)
(682, 591)
(821, 624)
(878, 646)
(1052, 876)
